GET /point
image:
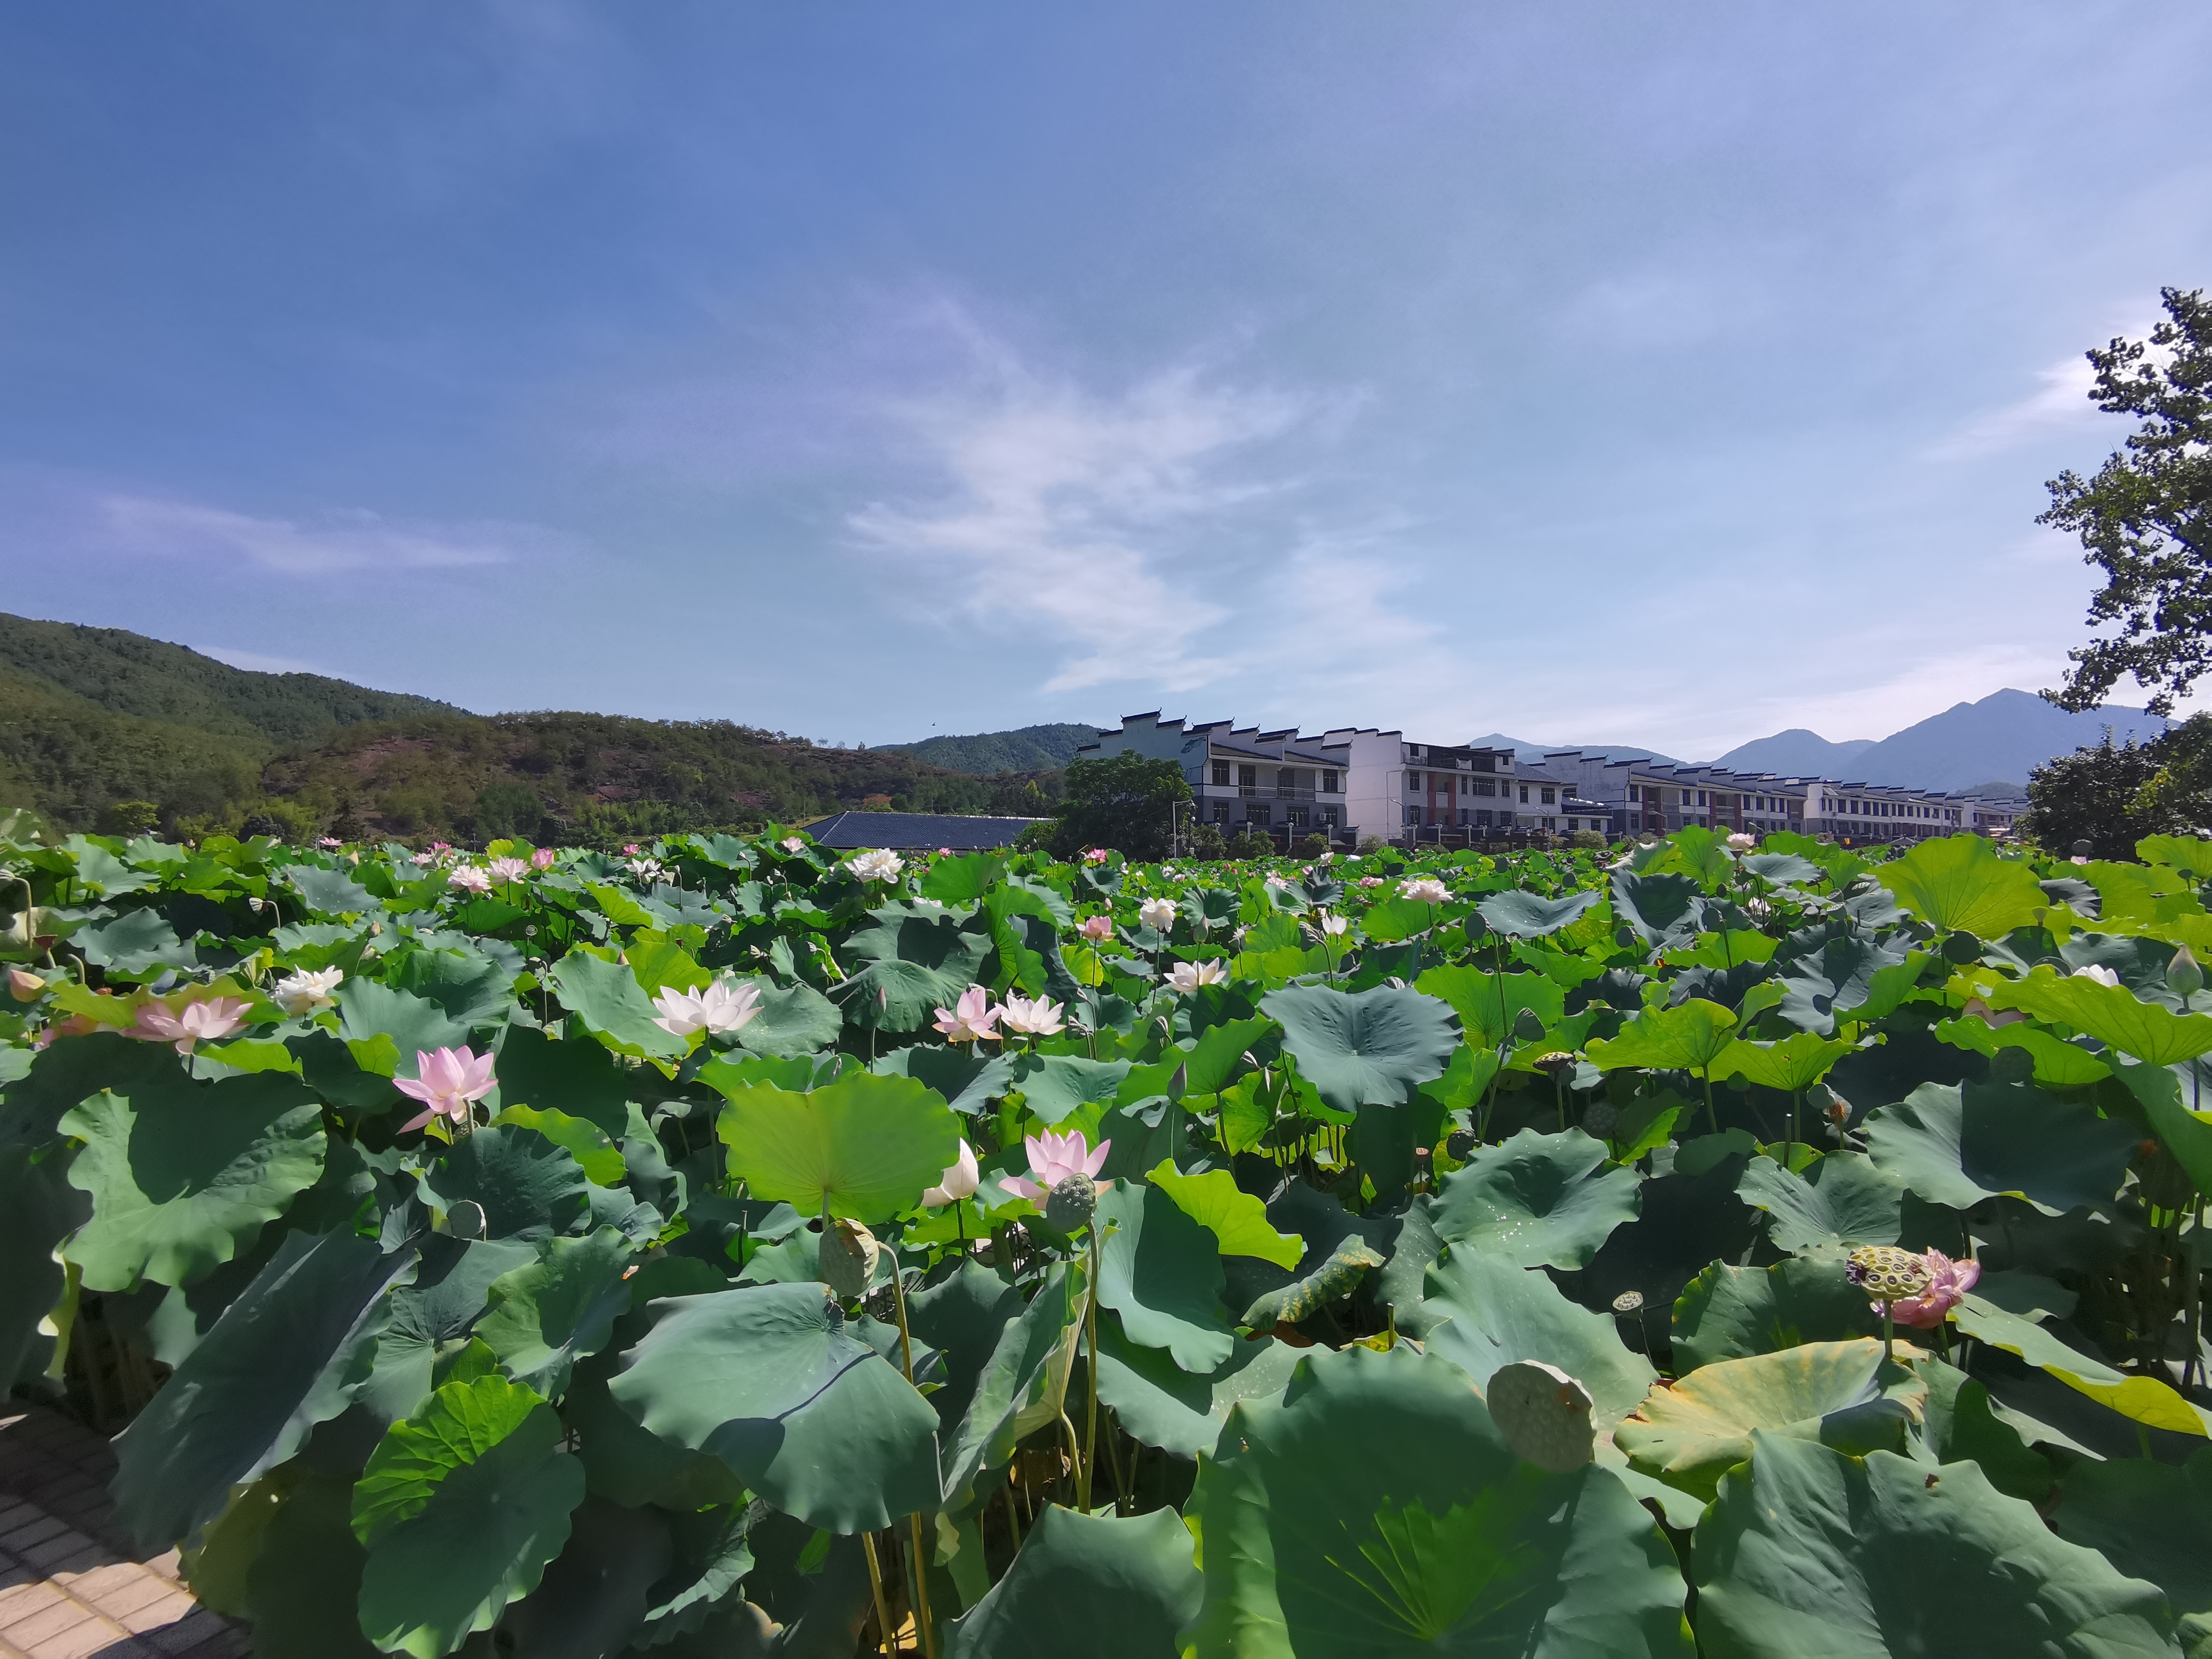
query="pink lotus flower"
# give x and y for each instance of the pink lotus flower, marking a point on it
(25, 987)
(971, 1018)
(1948, 1281)
(632, 848)
(1371, 881)
(944, 852)
(542, 858)
(206, 1021)
(1097, 927)
(1097, 855)
(1026, 1018)
(330, 840)
(961, 1179)
(448, 1080)
(1053, 1158)
(441, 847)
(423, 860)
(468, 880)
(721, 1007)
(507, 870)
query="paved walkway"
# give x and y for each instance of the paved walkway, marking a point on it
(71, 1586)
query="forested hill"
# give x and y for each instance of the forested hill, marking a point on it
(102, 729)
(1025, 749)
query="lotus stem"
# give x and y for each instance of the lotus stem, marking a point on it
(921, 1590)
(875, 1584)
(1091, 1347)
(898, 1302)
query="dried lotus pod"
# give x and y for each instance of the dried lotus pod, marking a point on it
(848, 1258)
(1544, 1414)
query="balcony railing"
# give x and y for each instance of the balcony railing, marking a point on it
(1275, 792)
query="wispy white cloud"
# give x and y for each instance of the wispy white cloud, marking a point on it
(1101, 517)
(257, 661)
(154, 527)
(2061, 399)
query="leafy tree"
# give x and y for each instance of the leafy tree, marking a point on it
(2095, 795)
(1125, 801)
(2146, 517)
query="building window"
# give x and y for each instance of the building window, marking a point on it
(1485, 786)
(1551, 797)
(1413, 781)
(1328, 783)
(1525, 794)
(1221, 773)
(1257, 812)
(1248, 777)
(1221, 812)
(1328, 816)
(1413, 816)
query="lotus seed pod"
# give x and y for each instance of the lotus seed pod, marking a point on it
(1961, 947)
(1602, 1118)
(2012, 1066)
(1558, 1062)
(1069, 1205)
(466, 1219)
(1886, 1274)
(1544, 1414)
(2083, 849)
(2184, 977)
(1628, 1301)
(848, 1258)
(1527, 1026)
(1624, 938)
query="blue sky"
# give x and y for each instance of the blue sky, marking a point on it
(1592, 371)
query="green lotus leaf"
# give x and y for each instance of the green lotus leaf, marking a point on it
(1485, 1312)
(598, 1593)
(1688, 1037)
(1808, 1550)
(1160, 1270)
(2143, 1399)
(1336, 1276)
(1488, 1003)
(579, 1079)
(548, 1315)
(1105, 1589)
(332, 892)
(767, 1378)
(964, 879)
(303, 1586)
(1729, 1312)
(1841, 1393)
(134, 945)
(386, 1028)
(963, 1316)
(1055, 1087)
(1853, 978)
(1794, 1064)
(1958, 884)
(2149, 1519)
(1960, 1144)
(866, 1145)
(1159, 1404)
(613, 1006)
(908, 965)
(183, 1175)
(1536, 1200)
(2190, 853)
(1523, 914)
(595, 1152)
(441, 1306)
(1960, 1424)
(2113, 1014)
(2187, 1134)
(1659, 908)
(1378, 1045)
(39, 1207)
(1840, 1198)
(627, 1464)
(1784, 869)
(288, 1354)
(712, 1557)
(790, 1020)
(1020, 1389)
(1376, 1510)
(474, 988)
(1237, 1220)
(529, 1187)
(2058, 1064)
(461, 1507)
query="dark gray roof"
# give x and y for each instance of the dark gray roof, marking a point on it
(902, 831)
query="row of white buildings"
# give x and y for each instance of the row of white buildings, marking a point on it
(1350, 782)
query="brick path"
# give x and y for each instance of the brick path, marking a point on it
(71, 1586)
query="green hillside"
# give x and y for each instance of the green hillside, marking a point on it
(129, 674)
(95, 719)
(1026, 749)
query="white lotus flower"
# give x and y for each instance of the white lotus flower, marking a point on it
(876, 864)
(1335, 927)
(793, 844)
(1024, 1017)
(507, 870)
(2102, 975)
(1187, 976)
(1424, 890)
(721, 1008)
(960, 1180)
(467, 878)
(1740, 842)
(304, 991)
(1157, 912)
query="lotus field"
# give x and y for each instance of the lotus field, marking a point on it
(738, 1248)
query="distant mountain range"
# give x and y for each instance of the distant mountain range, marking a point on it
(1535, 751)
(2003, 736)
